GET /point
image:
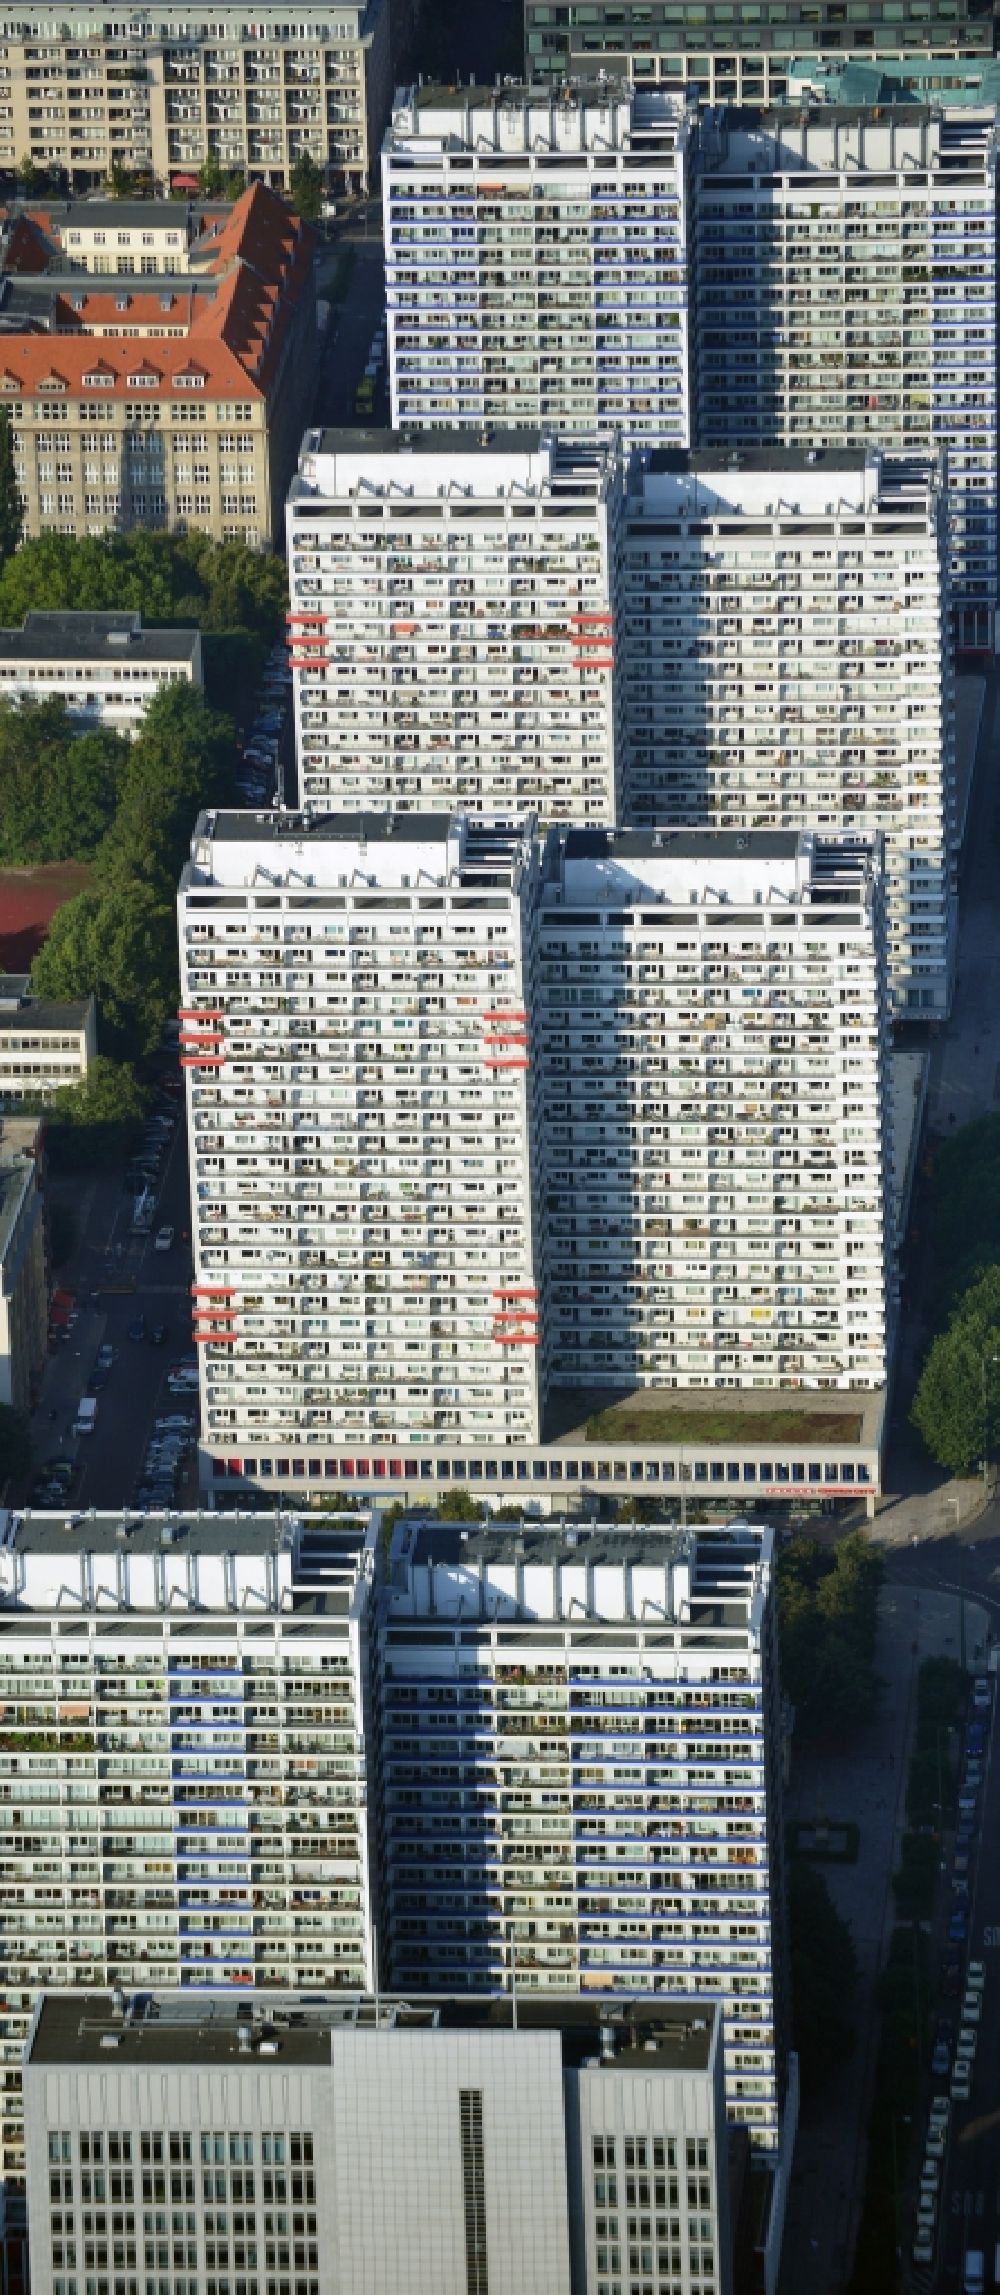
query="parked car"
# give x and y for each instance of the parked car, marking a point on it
(982, 1694)
(923, 2249)
(975, 1978)
(163, 1240)
(958, 1927)
(137, 1328)
(961, 2082)
(972, 2007)
(940, 2059)
(105, 1355)
(937, 2138)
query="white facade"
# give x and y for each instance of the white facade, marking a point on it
(105, 668)
(553, 1690)
(846, 268)
(451, 625)
(364, 1190)
(535, 250)
(182, 1758)
(408, 2145)
(713, 1041)
(785, 643)
(42, 1045)
(473, 1124)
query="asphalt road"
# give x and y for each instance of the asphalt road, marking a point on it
(120, 1276)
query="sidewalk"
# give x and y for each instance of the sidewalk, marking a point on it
(868, 1784)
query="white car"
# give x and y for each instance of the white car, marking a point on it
(961, 2082)
(936, 2139)
(982, 1696)
(930, 2173)
(972, 2008)
(163, 1239)
(975, 1976)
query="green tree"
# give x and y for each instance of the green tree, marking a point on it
(181, 759)
(11, 505)
(211, 181)
(828, 1613)
(58, 787)
(120, 946)
(30, 178)
(93, 1123)
(15, 1445)
(306, 188)
(957, 1403)
(824, 1970)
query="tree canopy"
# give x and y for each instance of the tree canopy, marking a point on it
(92, 1123)
(11, 505)
(59, 788)
(828, 1618)
(957, 1403)
(235, 595)
(121, 947)
(306, 187)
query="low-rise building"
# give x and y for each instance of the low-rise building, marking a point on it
(145, 396)
(105, 666)
(42, 1045)
(564, 2146)
(23, 1294)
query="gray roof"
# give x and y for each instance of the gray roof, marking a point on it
(98, 637)
(69, 1531)
(75, 2028)
(19, 1009)
(687, 844)
(433, 443)
(688, 463)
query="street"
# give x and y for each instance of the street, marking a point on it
(120, 1276)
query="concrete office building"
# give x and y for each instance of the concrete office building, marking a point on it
(535, 254)
(727, 54)
(452, 625)
(785, 648)
(183, 1772)
(384, 2144)
(42, 1045)
(481, 1131)
(846, 265)
(548, 1820)
(105, 666)
(96, 91)
(23, 1284)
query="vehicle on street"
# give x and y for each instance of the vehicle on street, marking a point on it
(936, 2139)
(930, 2173)
(973, 1776)
(940, 2059)
(105, 1355)
(86, 1416)
(982, 1695)
(939, 2111)
(158, 1334)
(163, 1239)
(961, 2083)
(137, 1328)
(926, 2212)
(923, 2249)
(975, 1977)
(974, 2271)
(972, 2008)
(958, 1927)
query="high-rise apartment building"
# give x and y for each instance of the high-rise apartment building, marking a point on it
(363, 1146)
(98, 91)
(183, 1760)
(452, 625)
(728, 54)
(785, 647)
(473, 1122)
(571, 2147)
(580, 1774)
(846, 268)
(535, 252)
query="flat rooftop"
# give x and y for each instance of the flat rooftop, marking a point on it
(621, 1545)
(20, 1009)
(778, 1417)
(98, 637)
(686, 461)
(65, 1530)
(150, 2029)
(430, 445)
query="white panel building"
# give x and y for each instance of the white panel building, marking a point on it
(535, 252)
(712, 1035)
(786, 651)
(846, 265)
(387, 2145)
(452, 635)
(476, 1124)
(365, 1205)
(580, 1772)
(183, 1768)
(105, 667)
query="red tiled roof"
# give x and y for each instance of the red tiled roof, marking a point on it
(258, 258)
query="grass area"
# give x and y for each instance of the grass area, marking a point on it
(677, 1422)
